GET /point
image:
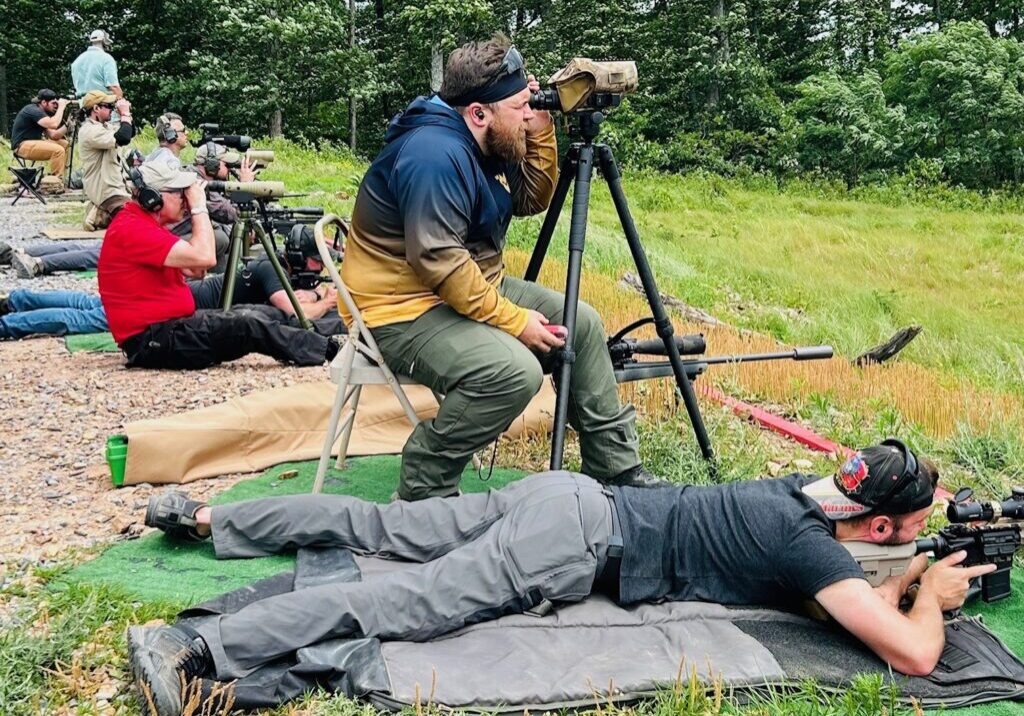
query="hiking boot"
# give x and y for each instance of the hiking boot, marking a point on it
(175, 514)
(636, 477)
(51, 185)
(26, 266)
(5, 253)
(163, 660)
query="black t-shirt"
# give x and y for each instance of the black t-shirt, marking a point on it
(26, 125)
(755, 542)
(254, 285)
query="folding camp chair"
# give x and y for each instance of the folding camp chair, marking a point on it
(359, 362)
(28, 177)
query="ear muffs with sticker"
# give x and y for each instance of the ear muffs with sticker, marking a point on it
(298, 245)
(148, 198)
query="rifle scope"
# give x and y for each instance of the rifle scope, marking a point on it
(988, 511)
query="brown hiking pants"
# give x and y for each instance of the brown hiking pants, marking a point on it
(54, 151)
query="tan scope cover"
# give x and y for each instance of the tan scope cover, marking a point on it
(581, 77)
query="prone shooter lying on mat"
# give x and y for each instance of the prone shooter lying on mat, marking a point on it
(557, 537)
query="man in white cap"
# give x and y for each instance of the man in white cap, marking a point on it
(98, 141)
(150, 309)
(96, 69)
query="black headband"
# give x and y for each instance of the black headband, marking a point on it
(494, 91)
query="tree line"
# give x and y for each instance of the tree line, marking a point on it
(851, 89)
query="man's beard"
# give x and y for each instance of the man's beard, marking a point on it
(508, 143)
(49, 112)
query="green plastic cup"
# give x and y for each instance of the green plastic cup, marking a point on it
(117, 456)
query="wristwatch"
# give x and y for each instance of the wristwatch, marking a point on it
(199, 210)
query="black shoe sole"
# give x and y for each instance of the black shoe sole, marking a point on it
(142, 667)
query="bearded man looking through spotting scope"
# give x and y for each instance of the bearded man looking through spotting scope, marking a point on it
(424, 264)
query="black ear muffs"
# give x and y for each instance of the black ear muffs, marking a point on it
(298, 245)
(211, 163)
(149, 198)
(165, 132)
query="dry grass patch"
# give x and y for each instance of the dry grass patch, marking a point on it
(925, 397)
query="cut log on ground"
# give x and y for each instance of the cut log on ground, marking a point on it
(885, 351)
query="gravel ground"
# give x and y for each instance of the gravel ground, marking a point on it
(57, 410)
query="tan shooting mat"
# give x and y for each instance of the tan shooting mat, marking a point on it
(268, 427)
(70, 233)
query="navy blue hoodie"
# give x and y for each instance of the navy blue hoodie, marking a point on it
(431, 216)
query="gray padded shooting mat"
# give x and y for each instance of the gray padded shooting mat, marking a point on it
(595, 651)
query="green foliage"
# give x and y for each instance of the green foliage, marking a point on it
(820, 88)
(962, 90)
(843, 125)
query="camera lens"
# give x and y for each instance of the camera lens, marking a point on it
(545, 99)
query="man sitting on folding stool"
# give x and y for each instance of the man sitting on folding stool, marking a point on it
(37, 133)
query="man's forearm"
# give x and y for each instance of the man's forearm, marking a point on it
(929, 630)
(319, 309)
(538, 173)
(202, 238)
(468, 292)
(124, 133)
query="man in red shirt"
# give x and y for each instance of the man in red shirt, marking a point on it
(150, 309)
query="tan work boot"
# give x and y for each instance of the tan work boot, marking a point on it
(51, 185)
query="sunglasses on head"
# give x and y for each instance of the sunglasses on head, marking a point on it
(512, 63)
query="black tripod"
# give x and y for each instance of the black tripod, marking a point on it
(578, 167)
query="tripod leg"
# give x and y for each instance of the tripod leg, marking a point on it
(577, 239)
(566, 173)
(662, 323)
(231, 269)
(71, 154)
(286, 284)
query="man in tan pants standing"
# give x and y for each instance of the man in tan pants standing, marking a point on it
(37, 134)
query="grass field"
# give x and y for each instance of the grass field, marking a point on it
(787, 265)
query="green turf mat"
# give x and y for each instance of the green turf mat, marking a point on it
(155, 569)
(91, 343)
(84, 274)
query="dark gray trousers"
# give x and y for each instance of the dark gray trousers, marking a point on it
(480, 556)
(66, 256)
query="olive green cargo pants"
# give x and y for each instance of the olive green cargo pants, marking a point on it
(488, 377)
